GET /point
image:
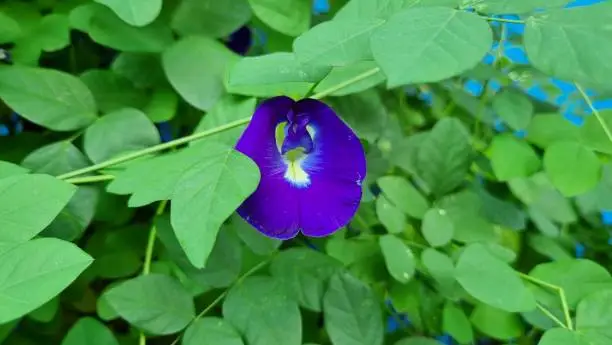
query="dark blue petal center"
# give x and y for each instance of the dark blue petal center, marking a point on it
(296, 134)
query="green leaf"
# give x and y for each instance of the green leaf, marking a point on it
(9, 29)
(456, 323)
(52, 33)
(558, 43)
(46, 267)
(55, 159)
(222, 17)
(211, 331)
(107, 29)
(365, 113)
(392, 218)
(441, 268)
(163, 105)
(89, 331)
(497, 323)
(144, 302)
(514, 108)
(584, 174)
(404, 196)
(9, 169)
(206, 195)
(541, 196)
(342, 74)
(31, 202)
(512, 158)
(290, 17)
(592, 134)
(445, 155)
(351, 312)
(112, 91)
(434, 44)
(46, 312)
(224, 264)
(465, 211)
(514, 6)
(437, 227)
(491, 281)
(195, 66)
(398, 258)
(593, 317)
(120, 132)
(336, 43)
(547, 129)
(305, 274)
(76, 216)
(155, 179)
(272, 320)
(142, 69)
(135, 12)
(562, 336)
(418, 341)
(255, 240)
(229, 108)
(369, 9)
(50, 98)
(577, 277)
(272, 75)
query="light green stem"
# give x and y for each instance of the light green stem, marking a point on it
(504, 20)
(203, 134)
(146, 267)
(564, 305)
(90, 179)
(596, 112)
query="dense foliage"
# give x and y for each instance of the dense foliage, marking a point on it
(485, 215)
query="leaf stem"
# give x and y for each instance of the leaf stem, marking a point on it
(203, 134)
(90, 179)
(596, 112)
(504, 20)
(146, 267)
(346, 83)
(564, 305)
(550, 315)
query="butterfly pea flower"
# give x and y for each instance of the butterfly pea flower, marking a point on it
(312, 166)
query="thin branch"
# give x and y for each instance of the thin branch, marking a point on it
(564, 305)
(90, 179)
(200, 135)
(504, 20)
(596, 112)
(146, 267)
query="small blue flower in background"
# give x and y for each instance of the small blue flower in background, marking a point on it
(521, 133)
(312, 167)
(606, 217)
(577, 3)
(240, 41)
(320, 6)
(4, 131)
(165, 131)
(579, 250)
(445, 339)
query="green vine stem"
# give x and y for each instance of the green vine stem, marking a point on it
(199, 135)
(564, 305)
(596, 112)
(146, 267)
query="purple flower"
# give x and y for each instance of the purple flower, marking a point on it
(312, 166)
